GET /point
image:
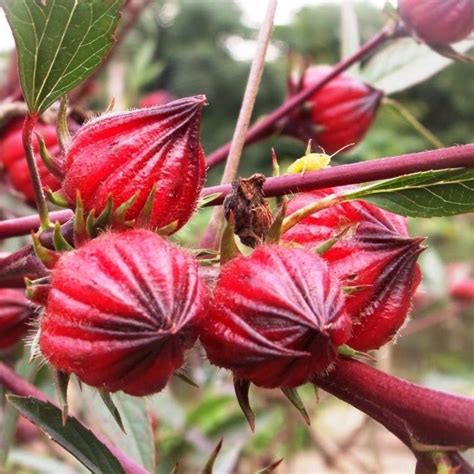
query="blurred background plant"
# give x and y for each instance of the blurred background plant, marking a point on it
(187, 47)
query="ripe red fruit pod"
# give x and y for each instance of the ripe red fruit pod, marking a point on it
(159, 97)
(438, 22)
(12, 156)
(15, 312)
(125, 155)
(463, 290)
(338, 115)
(122, 310)
(10, 83)
(276, 317)
(460, 282)
(375, 260)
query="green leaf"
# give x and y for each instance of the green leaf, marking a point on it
(139, 439)
(404, 63)
(73, 436)
(8, 426)
(59, 43)
(350, 38)
(426, 194)
(41, 464)
(138, 443)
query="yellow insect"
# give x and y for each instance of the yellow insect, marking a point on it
(312, 161)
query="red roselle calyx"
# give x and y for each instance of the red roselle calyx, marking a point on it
(15, 313)
(438, 22)
(336, 116)
(10, 83)
(12, 156)
(159, 97)
(460, 282)
(122, 310)
(375, 260)
(125, 155)
(276, 317)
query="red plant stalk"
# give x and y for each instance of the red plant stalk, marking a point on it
(266, 125)
(415, 414)
(19, 264)
(23, 263)
(383, 168)
(18, 386)
(28, 129)
(24, 225)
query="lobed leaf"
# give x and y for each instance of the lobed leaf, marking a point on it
(59, 43)
(404, 63)
(73, 436)
(350, 37)
(425, 194)
(139, 441)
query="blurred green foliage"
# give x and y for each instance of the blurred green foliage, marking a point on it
(193, 44)
(186, 47)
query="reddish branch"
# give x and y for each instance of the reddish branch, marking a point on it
(413, 413)
(25, 225)
(266, 125)
(384, 168)
(28, 129)
(453, 157)
(24, 263)
(18, 386)
(18, 265)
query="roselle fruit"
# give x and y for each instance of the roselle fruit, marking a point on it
(15, 313)
(12, 157)
(438, 22)
(462, 290)
(338, 115)
(375, 261)
(122, 310)
(276, 317)
(159, 97)
(124, 155)
(10, 83)
(460, 282)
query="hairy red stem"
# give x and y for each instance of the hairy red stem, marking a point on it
(383, 168)
(18, 386)
(25, 225)
(411, 412)
(265, 126)
(24, 263)
(18, 265)
(28, 128)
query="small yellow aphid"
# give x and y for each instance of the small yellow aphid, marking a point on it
(312, 161)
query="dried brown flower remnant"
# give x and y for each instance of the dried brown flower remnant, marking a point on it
(252, 213)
